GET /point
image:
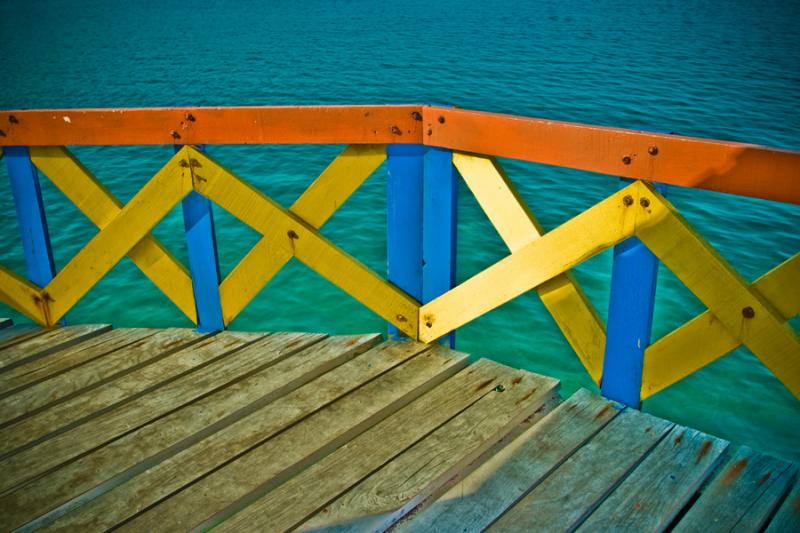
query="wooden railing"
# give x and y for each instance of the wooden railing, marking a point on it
(427, 149)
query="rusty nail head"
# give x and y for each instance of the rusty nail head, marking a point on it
(653, 150)
(184, 163)
(416, 115)
(292, 234)
(402, 318)
(396, 130)
(428, 324)
(175, 134)
(2, 133)
(190, 117)
(628, 200)
(441, 120)
(430, 132)
(12, 119)
(626, 160)
(644, 202)
(748, 312)
(499, 388)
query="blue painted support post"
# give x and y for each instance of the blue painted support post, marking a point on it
(201, 243)
(439, 219)
(630, 319)
(30, 215)
(421, 222)
(406, 166)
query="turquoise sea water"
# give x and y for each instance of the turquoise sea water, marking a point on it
(724, 70)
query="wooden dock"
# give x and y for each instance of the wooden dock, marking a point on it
(169, 430)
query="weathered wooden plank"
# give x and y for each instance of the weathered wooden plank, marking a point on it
(286, 230)
(744, 312)
(656, 491)
(275, 452)
(599, 227)
(743, 495)
(516, 224)
(135, 452)
(115, 355)
(17, 333)
(40, 369)
(47, 343)
(481, 497)
(399, 486)
(296, 500)
(316, 205)
(100, 206)
(21, 295)
(569, 494)
(787, 519)
(6, 323)
(66, 430)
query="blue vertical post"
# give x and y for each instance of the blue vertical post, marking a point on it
(30, 215)
(201, 243)
(439, 218)
(421, 222)
(406, 166)
(630, 318)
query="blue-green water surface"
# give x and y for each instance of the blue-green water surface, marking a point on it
(724, 70)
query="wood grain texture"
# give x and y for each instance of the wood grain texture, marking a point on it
(316, 205)
(594, 470)
(17, 333)
(214, 125)
(275, 442)
(599, 227)
(86, 365)
(286, 230)
(704, 339)
(43, 441)
(21, 295)
(399, 486)
(743, 495)
(735, 168)
(787, 518)
(715, 283)
(47, 343)
(90, 476)
(656, 491)
(84, 190)
(480, 498)
(299, 498)
(517, 226)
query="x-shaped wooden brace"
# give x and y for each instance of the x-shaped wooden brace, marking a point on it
(638, 210)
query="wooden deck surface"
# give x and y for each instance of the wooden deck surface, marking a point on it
(170, 430)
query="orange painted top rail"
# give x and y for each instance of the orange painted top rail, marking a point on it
(735, 168)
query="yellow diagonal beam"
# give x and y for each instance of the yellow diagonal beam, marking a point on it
(286, 230)
(744, 312)
(100, 206)
(23, 296)
(517, 226)
(118, 237)
(704, 339)
(578, 239)
(329, 191)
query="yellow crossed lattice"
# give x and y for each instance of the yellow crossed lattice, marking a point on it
(704, 339)
(517, 226)
(297, 237)
(316, 205)
(100, 206)
(116, 239)
(638, 210)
